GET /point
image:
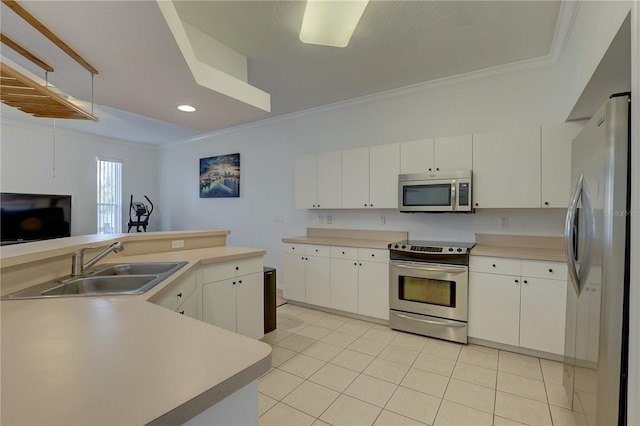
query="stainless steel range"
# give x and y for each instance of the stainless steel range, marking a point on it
(429, 287)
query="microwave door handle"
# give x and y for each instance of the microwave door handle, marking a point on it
(453, 196)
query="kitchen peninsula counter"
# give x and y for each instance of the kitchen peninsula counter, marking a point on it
(121, 359)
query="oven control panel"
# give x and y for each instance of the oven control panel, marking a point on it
(431, 249)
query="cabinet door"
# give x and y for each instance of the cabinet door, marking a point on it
(293, 276)
(373, 289)
(250, 306)
(556, 163)
(344, 285)
(506, 169)
(542, 314)
(454, 153)
(318, 287)
(384, 168)
(219, 304)
(305, 182)
(416, 156)
(189, 307)
(494, 307)
(329, 180)
(355, 178)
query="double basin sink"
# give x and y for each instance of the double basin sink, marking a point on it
(107, 280)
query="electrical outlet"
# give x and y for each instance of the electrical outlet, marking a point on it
(382, 220)
(320, 218)
(504, 222)
(177, 243)
(329, 219)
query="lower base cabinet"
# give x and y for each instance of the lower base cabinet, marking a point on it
(235, 304)
(349, 279)
(518, 302)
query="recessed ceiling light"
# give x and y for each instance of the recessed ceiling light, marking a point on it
(186, 108)
(331, 22)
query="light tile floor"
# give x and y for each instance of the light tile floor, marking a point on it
(330, 369)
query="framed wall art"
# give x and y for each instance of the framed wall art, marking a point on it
(220, 176)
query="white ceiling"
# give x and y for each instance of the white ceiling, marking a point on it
(143, 75)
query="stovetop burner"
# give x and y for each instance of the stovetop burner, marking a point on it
(432, 247)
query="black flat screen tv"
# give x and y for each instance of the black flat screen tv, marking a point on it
(34, 217)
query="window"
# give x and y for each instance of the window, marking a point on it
(109, 196)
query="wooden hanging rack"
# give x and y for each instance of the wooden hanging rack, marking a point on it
(21, 92)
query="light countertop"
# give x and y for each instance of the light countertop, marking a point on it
(520, 247)
(121, 360)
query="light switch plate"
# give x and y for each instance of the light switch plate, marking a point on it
(177, 243)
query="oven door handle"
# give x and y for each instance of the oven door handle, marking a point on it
(434, 322)
(433, 268)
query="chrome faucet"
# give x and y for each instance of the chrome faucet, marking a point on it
(77, 261)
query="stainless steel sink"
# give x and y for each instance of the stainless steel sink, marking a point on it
(107, 280)
(138, 268)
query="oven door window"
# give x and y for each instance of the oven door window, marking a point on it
(427, 291)
(435, 195)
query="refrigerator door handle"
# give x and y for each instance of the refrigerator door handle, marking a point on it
(571, 235)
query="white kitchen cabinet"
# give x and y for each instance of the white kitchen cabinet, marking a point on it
(494, 307)
(370, 177)
(189, 307)
(306, 274)
(417, 156)
(384, 168)
(329, 180)
(236, 304)
(183, 296)
(518, 302)
(556, 163)
(348, 279)
(317, 275)
(355, 178)
(233, 296)
(344, 284)
(373, 283)
(318, 180)
(360, 281)
(294, 272)
(436, 155)
(305, 182)
(453, 153)
(542, 314)
(506, 169)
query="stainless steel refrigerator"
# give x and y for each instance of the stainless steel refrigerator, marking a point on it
(597, 251)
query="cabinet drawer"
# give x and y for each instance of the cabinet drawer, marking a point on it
(495, 265)
(291, 248)
(544, 269)
(318, 250)
(179, 292)
(338, 252)
(373, 255)
(231, 269)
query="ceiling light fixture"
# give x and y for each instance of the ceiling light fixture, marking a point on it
(186, 108)
(331, 22)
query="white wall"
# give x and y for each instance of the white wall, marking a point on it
(594, 28)
(268, 149)
(32, 160)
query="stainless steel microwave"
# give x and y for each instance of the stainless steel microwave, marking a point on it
(435, 192)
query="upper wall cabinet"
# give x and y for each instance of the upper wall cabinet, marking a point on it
(556, 163)
(439, 154)
(318, 181)
(370, 177)
(506, 169)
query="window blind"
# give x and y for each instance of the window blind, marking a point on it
(109, 196)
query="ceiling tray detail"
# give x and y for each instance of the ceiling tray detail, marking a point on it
(21, 92)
